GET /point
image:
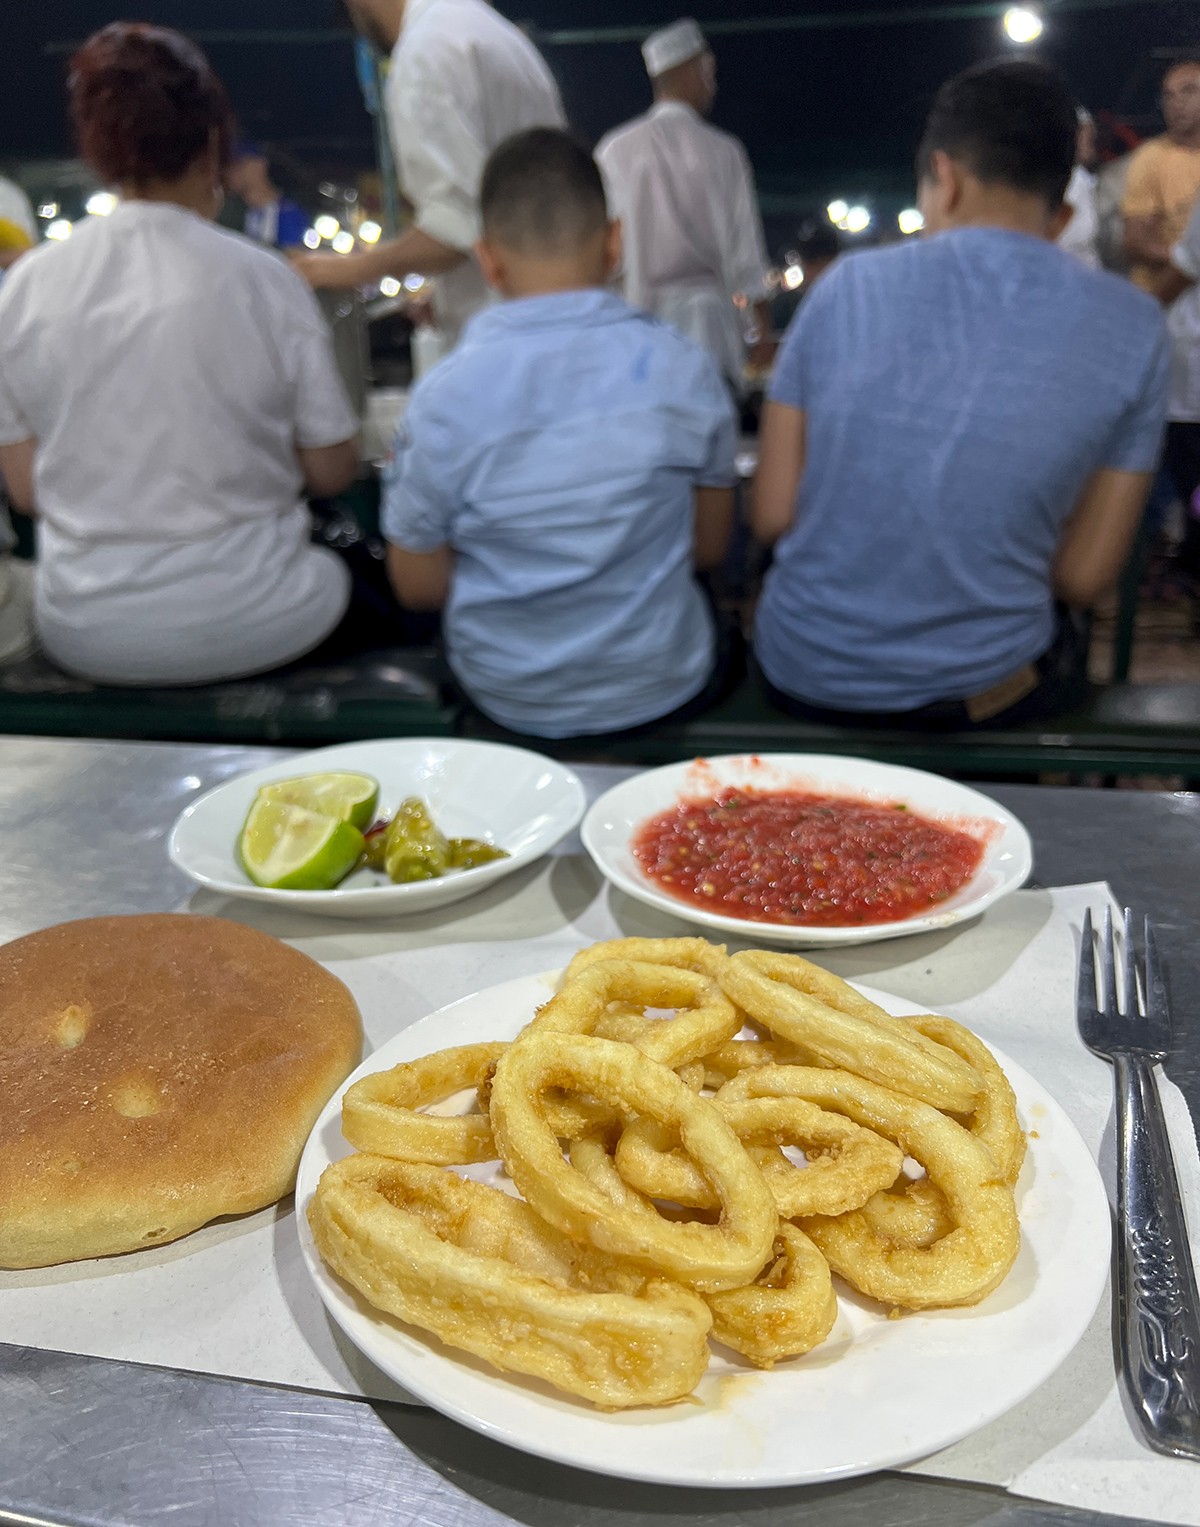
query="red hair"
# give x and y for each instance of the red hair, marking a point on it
(145, 104)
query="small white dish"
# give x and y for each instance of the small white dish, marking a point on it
(610, 825)
(516, 799)
(876, 1394)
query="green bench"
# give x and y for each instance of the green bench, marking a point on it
(382, 694)
(1127, 729)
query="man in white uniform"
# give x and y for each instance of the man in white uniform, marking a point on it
(684, 192)
(461, 80)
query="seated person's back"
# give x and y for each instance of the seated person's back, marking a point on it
(546, 476)
(174, 384)
(959, 430)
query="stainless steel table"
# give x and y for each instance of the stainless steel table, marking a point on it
(83, 1440)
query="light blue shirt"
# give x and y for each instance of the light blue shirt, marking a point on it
(959, 392)
(556, 452)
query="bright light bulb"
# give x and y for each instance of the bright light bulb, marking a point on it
(369, 232)
(48, 209)
(59, 229)
(414, 283)
(910, 221)
(857, 220)
(100, 204)
(837, 210)
(793, 277)
(343, 243)
(1022, 24)
(312, 239)
(390, 287)
(328, 227)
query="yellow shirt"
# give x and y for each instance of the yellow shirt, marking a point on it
(1163, 182)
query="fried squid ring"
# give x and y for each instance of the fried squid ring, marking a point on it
(446, 1254)
(810, 1007)
(704, 1019)
(846, 1163)
(916, 1213)
(790, 1307)
(614, 994)
(718, 1256)
(909, 1214)
(962, 1266)
(382, 1113)
(994, 1119)
(726, 1061)
(684, 953)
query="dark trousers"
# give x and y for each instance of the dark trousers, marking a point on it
(374, 619)
(1061, 674)
(1182, 460)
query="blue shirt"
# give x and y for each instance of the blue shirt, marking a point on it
(556, 452)
(959, 392)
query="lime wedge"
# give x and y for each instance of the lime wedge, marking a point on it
(288, 848)
(347, 797)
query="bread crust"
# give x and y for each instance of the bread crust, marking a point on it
(156, 1071)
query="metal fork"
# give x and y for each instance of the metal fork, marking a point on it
(1158, 1308)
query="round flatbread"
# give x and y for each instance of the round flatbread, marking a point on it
(156, 1072)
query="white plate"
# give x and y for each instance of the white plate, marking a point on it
(609, 827)
(877, 1393)
(516, 799)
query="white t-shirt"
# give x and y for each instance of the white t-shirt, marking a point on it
(462, 79)
(1183, 320)
(168, 369)
(684, 192)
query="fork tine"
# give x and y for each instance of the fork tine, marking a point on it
(1156, 990)
(1129, 1002)
(1110, 965)
(1085, 992)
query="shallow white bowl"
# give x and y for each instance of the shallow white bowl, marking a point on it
(610, 825)
(516, 799)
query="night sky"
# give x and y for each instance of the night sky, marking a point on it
(836, 110)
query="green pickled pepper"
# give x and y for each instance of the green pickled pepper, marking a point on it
(470, 853)
(415, 848)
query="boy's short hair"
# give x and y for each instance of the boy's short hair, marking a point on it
(1011, 123)
(542, 194)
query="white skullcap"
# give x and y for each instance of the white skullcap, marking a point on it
(672, 46)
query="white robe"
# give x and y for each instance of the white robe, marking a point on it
(684, 192)
(462, 79)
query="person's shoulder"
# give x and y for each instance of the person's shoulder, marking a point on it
(452, 29)
(454, 388)
(720, 140)
(623, 136)
(1117, 301)
(1148, 156)
(50, 266)
(265, 266)
(688, 366)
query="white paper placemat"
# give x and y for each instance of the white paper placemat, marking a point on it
(234, 1298)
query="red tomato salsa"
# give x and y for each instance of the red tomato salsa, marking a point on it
(784, 856)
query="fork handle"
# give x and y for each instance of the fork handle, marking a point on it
(1159, 1311)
